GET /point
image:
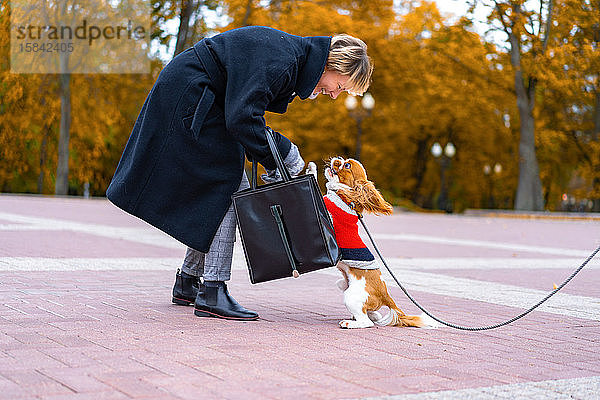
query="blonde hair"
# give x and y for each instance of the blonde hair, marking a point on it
(348, 56)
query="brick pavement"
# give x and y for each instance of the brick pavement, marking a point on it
(85, 312)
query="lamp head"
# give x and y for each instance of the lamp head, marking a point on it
(368, 102)
(350, 102)
(436, 150)
(450, 150)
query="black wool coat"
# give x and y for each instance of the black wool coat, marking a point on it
(185, 156)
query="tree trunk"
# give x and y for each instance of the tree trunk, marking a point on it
(62, 169)
(183, 33)
(43, 156)
(529, 191)
(247, 14)
(596, 132)
(596, 137)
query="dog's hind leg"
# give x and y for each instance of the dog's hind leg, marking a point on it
(343, 284)
(375, 316)
(354, 299)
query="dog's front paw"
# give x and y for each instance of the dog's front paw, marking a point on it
(353, 324)
(312, 169)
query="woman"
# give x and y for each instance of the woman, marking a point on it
(185, 156)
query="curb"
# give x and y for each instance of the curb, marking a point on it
(534, 215)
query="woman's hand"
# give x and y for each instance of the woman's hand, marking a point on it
(293, 162)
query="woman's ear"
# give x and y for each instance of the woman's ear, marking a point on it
(373, 201)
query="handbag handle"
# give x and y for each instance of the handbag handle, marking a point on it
(276, 211)
(278, 160)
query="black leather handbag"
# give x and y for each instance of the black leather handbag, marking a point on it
(285, 228)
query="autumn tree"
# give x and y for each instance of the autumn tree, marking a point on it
(191, 17)
(445, 87)
(102, 108)
(527, 31)
(571, 75)
(320, 127)
(425, 90)
(434, 81)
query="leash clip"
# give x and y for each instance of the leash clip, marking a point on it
(353, 208)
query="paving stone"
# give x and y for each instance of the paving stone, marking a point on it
(75, 380)
(89, 315)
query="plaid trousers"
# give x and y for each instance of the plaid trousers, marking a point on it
(216, 264)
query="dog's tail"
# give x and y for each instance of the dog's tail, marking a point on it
(397, 318)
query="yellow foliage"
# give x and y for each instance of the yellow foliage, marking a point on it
(433, 82)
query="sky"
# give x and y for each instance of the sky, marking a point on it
(454, 7)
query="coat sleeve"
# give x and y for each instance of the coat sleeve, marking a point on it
(247, 98)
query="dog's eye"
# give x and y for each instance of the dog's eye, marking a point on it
(347, 165)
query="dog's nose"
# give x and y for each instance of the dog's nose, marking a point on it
(335, 161)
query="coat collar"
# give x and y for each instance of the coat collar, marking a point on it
(316, 50)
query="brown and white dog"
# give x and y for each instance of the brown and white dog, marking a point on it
(350, 193)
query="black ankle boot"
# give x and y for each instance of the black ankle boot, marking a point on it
(216, 302)
(186, 289)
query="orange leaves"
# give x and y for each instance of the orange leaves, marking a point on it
(104, 108)
(433, 81)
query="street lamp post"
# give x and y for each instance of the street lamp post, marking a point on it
(443, 156)
(359, 113)
(487, 171)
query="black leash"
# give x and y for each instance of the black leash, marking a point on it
(477, 328)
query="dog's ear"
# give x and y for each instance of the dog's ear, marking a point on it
(371, 200)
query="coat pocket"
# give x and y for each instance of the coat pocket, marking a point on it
(194, 122)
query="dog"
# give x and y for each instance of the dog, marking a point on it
(349, 194)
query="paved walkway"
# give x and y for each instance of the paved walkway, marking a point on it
(85, 313)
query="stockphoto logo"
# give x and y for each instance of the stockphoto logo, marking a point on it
(98, 36)
(81, 32)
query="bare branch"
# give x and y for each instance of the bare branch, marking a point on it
(548, 25)
(247, 14)
(532, 23)
(471, 70)
(501, 17)
(582, 151)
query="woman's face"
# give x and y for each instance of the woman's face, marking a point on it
(331, 83)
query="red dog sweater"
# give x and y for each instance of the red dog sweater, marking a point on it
(345, 222)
